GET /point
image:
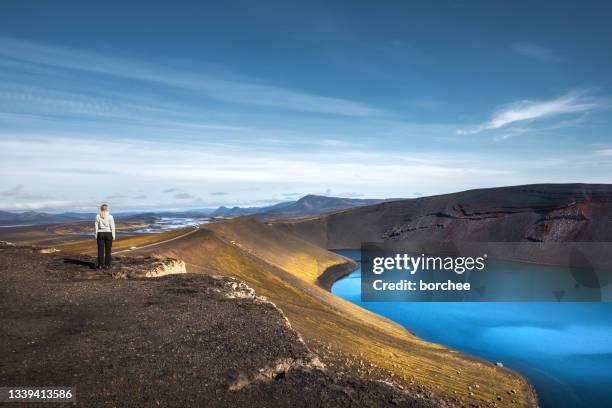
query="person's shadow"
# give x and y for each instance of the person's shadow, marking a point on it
(80, 262)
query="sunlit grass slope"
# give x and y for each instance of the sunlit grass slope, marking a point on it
(345, 336)
(283, 250)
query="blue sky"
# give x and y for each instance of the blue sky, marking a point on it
(196, 104)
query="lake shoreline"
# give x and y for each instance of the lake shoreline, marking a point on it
(334, 273)
(508, 333)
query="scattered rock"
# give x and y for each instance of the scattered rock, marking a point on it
(177, 340)
(48, 250)
(166, 266)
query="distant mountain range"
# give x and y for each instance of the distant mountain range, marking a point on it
(536, 213)
(36, 218)
(307, 205)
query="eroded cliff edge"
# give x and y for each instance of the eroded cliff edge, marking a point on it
(175, 340)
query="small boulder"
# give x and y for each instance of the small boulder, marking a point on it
(48, 250)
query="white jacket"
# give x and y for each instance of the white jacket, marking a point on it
(104, 225)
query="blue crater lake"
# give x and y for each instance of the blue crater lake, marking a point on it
(564, 349)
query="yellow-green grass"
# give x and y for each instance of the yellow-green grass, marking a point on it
(283, 250)
(342, 333)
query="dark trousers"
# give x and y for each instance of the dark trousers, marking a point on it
(105, 243)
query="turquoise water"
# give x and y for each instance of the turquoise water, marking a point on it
(565, 349)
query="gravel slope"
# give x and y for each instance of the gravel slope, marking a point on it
(176, 340)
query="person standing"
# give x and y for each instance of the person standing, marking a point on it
(105, 234)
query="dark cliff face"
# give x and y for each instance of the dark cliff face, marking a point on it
(539, 212)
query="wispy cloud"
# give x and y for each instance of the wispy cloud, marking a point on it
(13, 191)
(335, 142)
(201, 166)
(291, 195)
(532, 110)
(18, 192)
(183, 196)
(536, 51)
(604, 152)
(40, 205)
(31, 102)
(116, 196)
(513, 131)
(236, 90)
(344, 194)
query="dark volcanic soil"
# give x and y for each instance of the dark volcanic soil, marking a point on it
(177, 340)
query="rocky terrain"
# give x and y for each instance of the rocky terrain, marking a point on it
(123, 339)
(537, 213)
